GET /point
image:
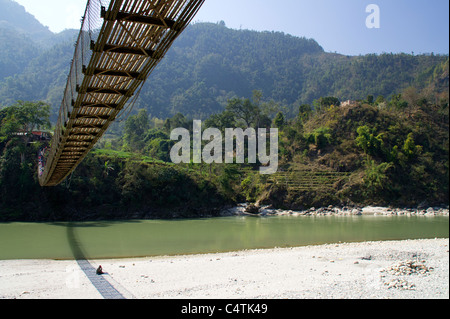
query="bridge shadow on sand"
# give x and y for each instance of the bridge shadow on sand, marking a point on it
(105, 288)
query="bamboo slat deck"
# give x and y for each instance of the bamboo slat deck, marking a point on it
(110, 65)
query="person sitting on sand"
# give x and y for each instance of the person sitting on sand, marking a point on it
(100, 270)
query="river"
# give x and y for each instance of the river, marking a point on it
(142, 238)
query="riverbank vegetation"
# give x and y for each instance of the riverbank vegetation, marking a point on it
(374, 151)
(388, 148)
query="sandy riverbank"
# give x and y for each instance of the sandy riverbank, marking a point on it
(396, 269)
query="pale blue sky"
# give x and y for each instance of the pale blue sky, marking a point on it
(420, 26)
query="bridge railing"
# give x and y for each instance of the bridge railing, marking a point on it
(91, 22)
(105, 72)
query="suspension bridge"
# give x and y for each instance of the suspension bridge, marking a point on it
(119, 45)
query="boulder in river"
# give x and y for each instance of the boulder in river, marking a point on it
(252, 209)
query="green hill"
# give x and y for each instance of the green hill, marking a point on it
(210, 64)
(389, 147)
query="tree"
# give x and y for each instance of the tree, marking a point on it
(244, 111)
(21, 119)
(368, 141)
(410, 149)
(321, 137)
(267, 109)
(279, 120)
(411, 96)
(220, 121)
(135, 129)
(398, 102)
(158, 144)
(305, 111)
(324, 103)
(376, 177)
(380, 99)
(25, 117)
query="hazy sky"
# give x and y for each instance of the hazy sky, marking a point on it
(420, 26)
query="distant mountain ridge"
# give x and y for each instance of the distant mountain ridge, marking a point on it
(209, 64)
(14, 16)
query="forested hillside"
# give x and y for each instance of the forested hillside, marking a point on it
(390, 146)
(374, 152)
(210, 64)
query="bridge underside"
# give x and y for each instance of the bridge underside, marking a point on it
(110, 65)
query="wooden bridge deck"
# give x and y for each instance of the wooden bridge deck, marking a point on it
(110, 65)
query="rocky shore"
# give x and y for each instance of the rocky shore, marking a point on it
(255, 210)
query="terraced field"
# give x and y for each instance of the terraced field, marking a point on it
(308, 179)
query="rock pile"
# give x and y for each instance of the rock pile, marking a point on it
(403, 269)
(401, 284)
(409, 267)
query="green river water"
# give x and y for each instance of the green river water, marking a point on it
(118, 239)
